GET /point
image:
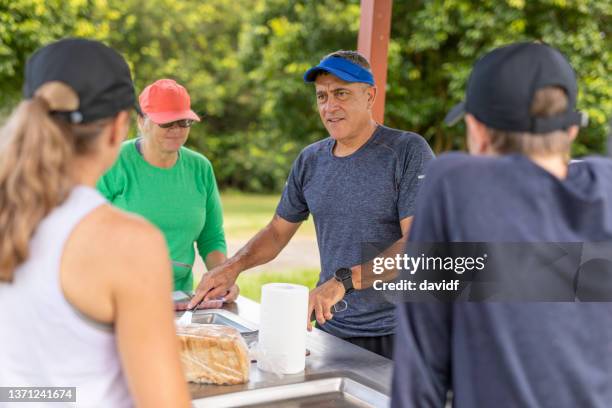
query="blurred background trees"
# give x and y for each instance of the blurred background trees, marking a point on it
(242, 62)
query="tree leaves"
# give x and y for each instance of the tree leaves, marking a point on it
(242, 62)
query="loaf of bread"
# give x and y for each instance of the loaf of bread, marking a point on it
(213, 354)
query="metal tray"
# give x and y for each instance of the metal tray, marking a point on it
(225, 318)
(334, 392)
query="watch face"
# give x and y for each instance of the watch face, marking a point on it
(344, 273)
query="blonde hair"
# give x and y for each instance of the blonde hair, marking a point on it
(36, 153)
(547, 101)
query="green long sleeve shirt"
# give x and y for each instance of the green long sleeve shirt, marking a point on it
(182, 201)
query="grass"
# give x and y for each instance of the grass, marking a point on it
(250, 283)
(245, 214)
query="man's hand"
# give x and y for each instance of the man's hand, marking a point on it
(215, 283)
(322, 299)
(232, 295)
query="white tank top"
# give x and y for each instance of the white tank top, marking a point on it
(44, 341)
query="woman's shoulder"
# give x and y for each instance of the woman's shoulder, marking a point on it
(120, 252)
(128, 147)
(196, 161)
(121, 223)
(125, 156)
(195, 157)
(119, 234)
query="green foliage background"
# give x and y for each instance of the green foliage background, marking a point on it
(242, 61)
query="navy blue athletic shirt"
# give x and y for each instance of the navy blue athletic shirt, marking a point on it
(507, 354)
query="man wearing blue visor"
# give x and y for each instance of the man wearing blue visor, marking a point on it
(360, 185)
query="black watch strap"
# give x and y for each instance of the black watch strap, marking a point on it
(345, 276)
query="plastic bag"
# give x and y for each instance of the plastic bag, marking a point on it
(213, 354)
(270, 363)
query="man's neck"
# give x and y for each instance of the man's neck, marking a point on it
(349, 146)
(555, 165)
(156, 157)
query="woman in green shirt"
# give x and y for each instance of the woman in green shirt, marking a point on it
(170, 185)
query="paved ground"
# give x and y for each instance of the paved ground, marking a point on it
(300, 253)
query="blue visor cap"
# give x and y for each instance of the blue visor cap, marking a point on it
(345, 70)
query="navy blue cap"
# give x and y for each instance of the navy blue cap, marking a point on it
(98, 75)
(502, 85)
(342, 68)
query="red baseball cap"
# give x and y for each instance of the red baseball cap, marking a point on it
(166, 101)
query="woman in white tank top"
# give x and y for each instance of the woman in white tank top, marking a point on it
(83, 286)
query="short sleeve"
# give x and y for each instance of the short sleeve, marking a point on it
(430, 208)
(417, 155)
(292, 206)
(107, 185)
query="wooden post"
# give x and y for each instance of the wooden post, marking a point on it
(373, 42)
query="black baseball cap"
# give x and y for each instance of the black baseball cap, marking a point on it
(502, 85)
(98, 74)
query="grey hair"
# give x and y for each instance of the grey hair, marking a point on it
(352, 56)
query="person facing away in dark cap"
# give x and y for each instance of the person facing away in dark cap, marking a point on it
(360, 185)
(516, 186)
(78, 278)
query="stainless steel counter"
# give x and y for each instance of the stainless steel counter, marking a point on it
(329, 356)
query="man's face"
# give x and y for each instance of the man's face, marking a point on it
(345, 107)
(166, 140)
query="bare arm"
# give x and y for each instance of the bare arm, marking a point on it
(260, 249)
(362, 281)
(324, 297)
(214, 259)
(128, 283)
(264, 246)
(149, 347)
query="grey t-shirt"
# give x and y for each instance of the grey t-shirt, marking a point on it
(356, 199)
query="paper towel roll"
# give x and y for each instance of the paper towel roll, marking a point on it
(282, 328)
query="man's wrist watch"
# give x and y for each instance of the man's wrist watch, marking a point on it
(345, 277)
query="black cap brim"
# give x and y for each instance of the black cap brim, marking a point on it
(455, 114)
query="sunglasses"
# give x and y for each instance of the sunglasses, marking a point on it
(184, 123)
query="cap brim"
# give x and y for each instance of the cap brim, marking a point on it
(455, 114)
(166, 117)
(312, 73)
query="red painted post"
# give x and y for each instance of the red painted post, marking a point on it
(373, 42)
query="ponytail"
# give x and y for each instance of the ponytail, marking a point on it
(36, 153)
